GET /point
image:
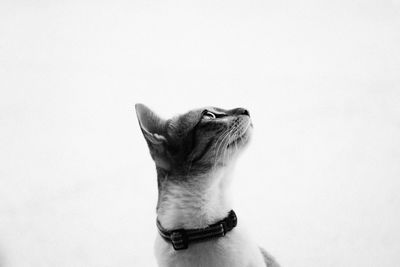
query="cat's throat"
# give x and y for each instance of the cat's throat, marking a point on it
(194, 204)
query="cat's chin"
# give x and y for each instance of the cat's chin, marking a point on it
(242, 140)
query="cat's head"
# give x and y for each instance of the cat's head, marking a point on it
(197, 142)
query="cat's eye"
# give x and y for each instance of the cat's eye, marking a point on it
(209, 115)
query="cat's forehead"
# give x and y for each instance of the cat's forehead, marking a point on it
(196, 113)
(216, 109)
(199, 111)
(186, 121)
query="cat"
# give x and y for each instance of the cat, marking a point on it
(194, 154)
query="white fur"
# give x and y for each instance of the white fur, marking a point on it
(195, 206)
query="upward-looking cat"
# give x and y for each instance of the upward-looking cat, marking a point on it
(193, 154)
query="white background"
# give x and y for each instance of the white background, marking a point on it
(319, 184)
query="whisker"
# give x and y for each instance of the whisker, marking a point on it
(224, 137)
(233, 132)
(222, 142)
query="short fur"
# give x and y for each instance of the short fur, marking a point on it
(194, 154)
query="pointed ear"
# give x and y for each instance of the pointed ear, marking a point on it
(152, 125)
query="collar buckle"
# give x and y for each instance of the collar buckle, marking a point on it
(179, 239)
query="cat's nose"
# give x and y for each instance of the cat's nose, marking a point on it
(241, 111)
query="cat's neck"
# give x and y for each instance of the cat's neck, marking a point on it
(191, 205)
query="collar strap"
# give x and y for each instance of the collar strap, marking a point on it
(180, 238)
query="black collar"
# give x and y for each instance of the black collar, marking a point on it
(180, 238)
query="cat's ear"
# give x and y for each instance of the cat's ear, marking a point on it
(151, 124)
